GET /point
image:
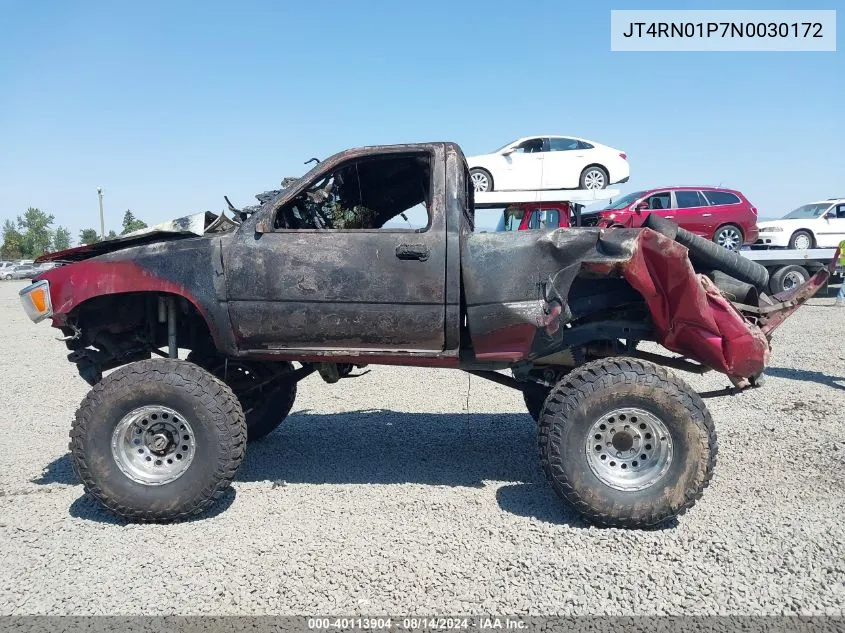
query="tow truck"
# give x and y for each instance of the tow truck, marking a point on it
(789, 268)
(538, 209)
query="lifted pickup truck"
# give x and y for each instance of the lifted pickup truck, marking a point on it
(310, 276)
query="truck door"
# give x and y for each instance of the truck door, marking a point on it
(355, 260)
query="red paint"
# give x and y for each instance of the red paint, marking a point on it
(76, 283)
(531, 211)
(512, 343)
(403, 359)
(690, 315)
(701, 220)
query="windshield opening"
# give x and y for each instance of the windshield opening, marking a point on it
(807, 211)
(512, 219)
(625, 200)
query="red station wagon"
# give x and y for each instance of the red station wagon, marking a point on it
(724, 216)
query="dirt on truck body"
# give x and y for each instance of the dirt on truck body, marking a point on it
(371, 258)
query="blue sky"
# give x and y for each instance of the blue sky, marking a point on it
(170, 105)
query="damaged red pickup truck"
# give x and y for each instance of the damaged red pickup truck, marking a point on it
(318, 275)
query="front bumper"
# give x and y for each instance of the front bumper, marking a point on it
(774, 239)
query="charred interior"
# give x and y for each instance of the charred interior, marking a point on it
(362, 194)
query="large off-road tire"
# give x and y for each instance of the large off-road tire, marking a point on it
(158, 440)
(709, 255)
(265, 407)
(626, 443)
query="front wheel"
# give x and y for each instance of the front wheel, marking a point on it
(801, 240)
(158, 440)
(482, 180)
(626, 443)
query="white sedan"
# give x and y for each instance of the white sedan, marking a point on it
(549, 162)
(815, 225)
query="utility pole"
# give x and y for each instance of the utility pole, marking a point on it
(102, 218)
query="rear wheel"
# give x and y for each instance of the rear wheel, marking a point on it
(265, 390)
(158, 440)
(801, 240)
(787, 278)
(594, 177)
(626, 443)
(481, 180)
(729, 237)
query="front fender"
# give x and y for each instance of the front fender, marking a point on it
(180, 270)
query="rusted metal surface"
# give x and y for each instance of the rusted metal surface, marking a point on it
(439, 296)
(687, 311)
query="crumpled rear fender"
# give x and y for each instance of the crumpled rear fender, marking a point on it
(689, 313)
(511, 282)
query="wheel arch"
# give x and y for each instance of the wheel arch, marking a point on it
(106, 311)
(805, 230)
(604, 168)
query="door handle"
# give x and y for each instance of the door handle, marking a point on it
(413, 251)
(706, 215)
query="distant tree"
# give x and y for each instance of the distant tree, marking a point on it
(12, 241)
(131, 223)
(61, 239)
(88, 236)
(111, 236)
(35, 230)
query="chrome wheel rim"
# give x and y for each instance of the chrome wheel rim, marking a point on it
(802, 242)
(792, 280)
(629, 449)
(480, 182)
(153, 445)
(729, 238)
(594, 179)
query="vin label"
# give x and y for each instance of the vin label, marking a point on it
(710, 30)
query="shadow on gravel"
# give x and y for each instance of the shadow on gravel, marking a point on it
(384, 447)
(89, 509)
(59, 471)
(834, 382)
(390, 447)
(538, 501)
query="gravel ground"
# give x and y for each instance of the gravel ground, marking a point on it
(416, 491)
